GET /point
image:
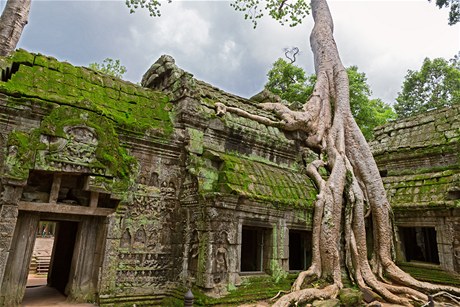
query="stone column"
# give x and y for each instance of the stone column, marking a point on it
(17, 265)
(445, 239)
(8, 219)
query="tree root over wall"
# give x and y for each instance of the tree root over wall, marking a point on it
(353, 190)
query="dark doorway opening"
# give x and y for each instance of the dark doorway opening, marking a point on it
(420, 244)
(51, 261)
(252, 249)
(61, 259)
(299, 250)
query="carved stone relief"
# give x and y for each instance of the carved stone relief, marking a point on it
(74, 153)
(148, 222)
(220, 269)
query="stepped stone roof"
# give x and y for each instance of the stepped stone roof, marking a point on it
(252, 168)
(419, 158)
(132, 107)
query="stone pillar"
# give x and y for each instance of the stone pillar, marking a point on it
(279, 249)
(400, 252)
(445, 239)
(8, 219)
(17, 265)
(284, 243)
(109, 262)
(82, 284)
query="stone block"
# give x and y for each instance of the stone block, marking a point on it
(350, 297)
(7, 229)
(8, 212)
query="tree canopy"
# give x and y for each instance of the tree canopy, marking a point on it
(454, 9)
(110, 67)
(291, 84)
(286, 12)
(435, 85)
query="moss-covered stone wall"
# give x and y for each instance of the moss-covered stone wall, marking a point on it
(419, 160)
(119, 138)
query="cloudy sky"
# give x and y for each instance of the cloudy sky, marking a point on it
(213, 42)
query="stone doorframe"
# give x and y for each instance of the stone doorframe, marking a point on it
(19, 222)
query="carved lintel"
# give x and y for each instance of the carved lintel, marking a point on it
(64, 208)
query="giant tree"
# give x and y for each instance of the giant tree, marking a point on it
(353, 188)
(12, 22)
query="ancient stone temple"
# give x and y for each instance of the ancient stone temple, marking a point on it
(419, 161)
(167, 184)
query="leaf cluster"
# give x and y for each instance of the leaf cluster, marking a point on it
(290, 12)
(454, 9)
(291, 84)
(435, 85)
(153, 6)
(110, 67)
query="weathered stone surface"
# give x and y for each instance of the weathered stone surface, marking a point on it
(420, 163)
(350, 297)
(164, 187)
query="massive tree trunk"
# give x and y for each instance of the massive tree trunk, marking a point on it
(12, 22)
(352, 191)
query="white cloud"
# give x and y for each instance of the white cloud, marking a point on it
(215, 43)
(230, 54)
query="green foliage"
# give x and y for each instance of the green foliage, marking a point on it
(153, 6)
(284, 11)
(368, 113)
(435, 85)
(290, 12)
(454, 13)
(291, 83)
(110, 67)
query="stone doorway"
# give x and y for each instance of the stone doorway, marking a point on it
(299, 250)
(75, 259)
(79, 209)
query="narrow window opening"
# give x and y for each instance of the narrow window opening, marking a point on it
(420, 244)
(299, 250)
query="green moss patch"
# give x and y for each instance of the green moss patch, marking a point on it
(431, 274)
(110, 155)
(130, 106)
(251, 290)
(266, 182)
(20, 158)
